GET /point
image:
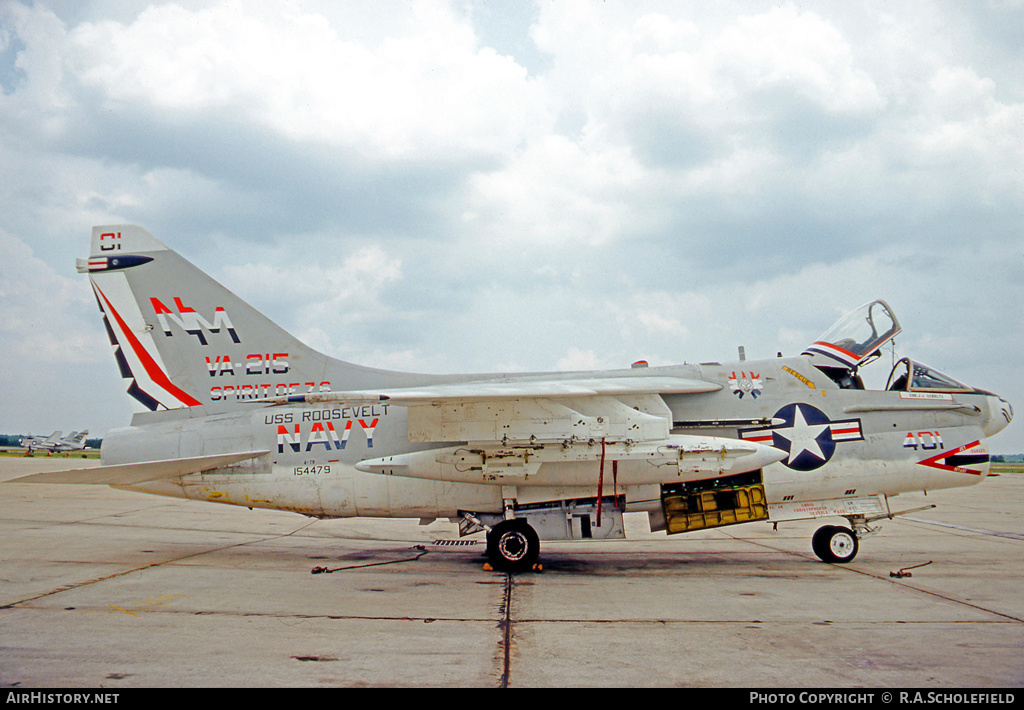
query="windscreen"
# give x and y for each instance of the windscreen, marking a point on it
(910, 376)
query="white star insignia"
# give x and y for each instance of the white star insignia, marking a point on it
(803, 436)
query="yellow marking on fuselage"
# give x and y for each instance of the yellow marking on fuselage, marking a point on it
(800, 377)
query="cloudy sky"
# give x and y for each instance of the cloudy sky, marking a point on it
(503, 186)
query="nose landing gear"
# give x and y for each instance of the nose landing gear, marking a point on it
(835, 544)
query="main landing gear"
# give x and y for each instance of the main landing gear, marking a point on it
(834, 543)
(513, 546)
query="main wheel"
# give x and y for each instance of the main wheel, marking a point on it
(819, 541)
(835, 544)
(513, 546)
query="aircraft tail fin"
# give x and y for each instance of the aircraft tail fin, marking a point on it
(183, 342)
(76, 439)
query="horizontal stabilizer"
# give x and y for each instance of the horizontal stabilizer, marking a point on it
(131, 473)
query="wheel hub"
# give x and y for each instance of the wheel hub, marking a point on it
(513, 545)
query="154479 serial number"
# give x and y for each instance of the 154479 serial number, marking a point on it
(311, 470)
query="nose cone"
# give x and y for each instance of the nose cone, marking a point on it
(1000, 414)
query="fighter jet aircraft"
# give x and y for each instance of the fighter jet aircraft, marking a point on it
(232, 409)
(75, 441)
(31, 443)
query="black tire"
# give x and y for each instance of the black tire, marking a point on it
(819, 541)
(835, 544)
(513, 546)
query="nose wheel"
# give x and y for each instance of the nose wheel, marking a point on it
(835, 544)
(512, 546)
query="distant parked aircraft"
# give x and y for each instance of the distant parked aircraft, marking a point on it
(75, 441)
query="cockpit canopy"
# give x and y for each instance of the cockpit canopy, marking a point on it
(855, 338)
(911, 376)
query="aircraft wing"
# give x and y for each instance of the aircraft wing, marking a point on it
(132, 473)
(530, 410)
(511, 389)
(538, 431)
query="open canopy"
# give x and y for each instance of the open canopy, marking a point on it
(857, 336)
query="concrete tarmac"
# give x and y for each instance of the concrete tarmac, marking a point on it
(101, 588)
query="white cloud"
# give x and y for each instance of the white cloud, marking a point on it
(424, 94)
(576, 359)
(42, 98)
(324, 300)
(558, 193)
(785, 50)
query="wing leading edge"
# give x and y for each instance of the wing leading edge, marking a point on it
(510, 389)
